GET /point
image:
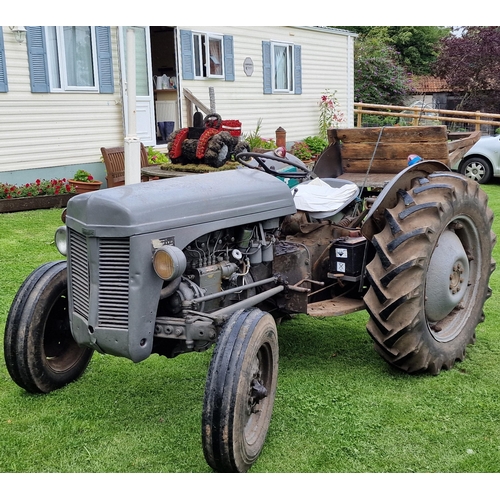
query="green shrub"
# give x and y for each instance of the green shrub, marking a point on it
(301, 150)
(255, 141)
(316, 144)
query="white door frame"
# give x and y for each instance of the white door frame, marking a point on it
(145, 113)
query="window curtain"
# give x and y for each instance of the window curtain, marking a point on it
(280, 68)
(215, 51)
(78, 52)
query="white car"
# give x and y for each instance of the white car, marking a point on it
(482, 161)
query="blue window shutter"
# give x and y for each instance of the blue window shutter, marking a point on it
(187, 55)
(104, 59)
(37, 59)
(266, 67)
(228, 58)
(3, 68)
(297, 68)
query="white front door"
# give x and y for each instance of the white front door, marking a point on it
(145, 119)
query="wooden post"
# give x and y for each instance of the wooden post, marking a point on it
(478, 121)
(281, 137)
(211, 93)
(359, 112)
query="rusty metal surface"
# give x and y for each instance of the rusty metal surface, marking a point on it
(338, 306)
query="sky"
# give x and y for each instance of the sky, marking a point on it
(234, 13)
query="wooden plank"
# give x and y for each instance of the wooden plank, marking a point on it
(388, 151)
(390, 134)
(463, 142)
(391, 167)
(377, 181)
(335, 307)
(458, 148)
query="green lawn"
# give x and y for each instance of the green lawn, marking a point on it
(339, 407)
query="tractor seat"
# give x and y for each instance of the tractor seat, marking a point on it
(324, 198)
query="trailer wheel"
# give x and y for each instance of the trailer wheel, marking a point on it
(429, 277)
(240, 390)
(40, 352)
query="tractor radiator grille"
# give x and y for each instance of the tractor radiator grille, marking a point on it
(79, 273)
(114, 261)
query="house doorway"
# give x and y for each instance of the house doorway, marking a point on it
(145, 119)
(165, 80)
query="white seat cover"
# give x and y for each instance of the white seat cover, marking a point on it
(318, 196)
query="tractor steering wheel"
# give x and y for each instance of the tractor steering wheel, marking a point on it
(212, 121)
(261, 158)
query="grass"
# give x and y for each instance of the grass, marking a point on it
(339, 406)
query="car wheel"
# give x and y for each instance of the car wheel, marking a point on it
(477, 169)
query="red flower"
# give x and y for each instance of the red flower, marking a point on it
(37, 182)
(90, 178)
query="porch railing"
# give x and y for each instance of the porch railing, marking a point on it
(192, 102)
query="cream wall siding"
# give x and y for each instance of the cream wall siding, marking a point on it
(325, 65)
(54, 129)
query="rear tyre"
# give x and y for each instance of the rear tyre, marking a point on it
(40, 352)
(429, 277)
(478, 169)
(240, 391)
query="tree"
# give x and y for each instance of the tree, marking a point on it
(378, 77)
(470, 64)
(417, 46)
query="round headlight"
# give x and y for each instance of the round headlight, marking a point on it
(61, 239)
(169, 262)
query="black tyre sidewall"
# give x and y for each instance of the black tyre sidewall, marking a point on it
(25, 331)
(398, 322)
(223, 422)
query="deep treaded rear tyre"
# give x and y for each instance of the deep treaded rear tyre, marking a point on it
(40, 352)
(240, 390)
(429, 277)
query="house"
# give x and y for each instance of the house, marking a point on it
(433, 92)
(63, 95)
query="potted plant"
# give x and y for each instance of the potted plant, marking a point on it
(84, 182)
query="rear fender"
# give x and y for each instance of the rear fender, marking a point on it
(375, 221)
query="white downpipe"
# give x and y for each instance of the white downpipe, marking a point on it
(132, 145)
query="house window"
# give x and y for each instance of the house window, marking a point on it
(282, 67)
(282, 64)
(208, 55)
(71, 57)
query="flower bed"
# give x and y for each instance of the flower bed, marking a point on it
(54, 193)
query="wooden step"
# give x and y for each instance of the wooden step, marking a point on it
(338, 306)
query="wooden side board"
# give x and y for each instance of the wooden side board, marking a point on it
(386, 149)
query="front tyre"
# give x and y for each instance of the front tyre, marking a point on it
(240, 390)
(40, 352)
(429, 277)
